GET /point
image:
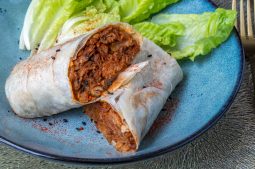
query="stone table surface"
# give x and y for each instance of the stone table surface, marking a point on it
(229, 144)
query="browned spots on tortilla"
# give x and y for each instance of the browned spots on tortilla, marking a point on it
(141, 100)
(142, 97)
(156, 84)
(150, 94)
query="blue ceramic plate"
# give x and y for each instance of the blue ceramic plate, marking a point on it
(208, 89)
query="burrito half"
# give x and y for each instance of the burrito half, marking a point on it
(125, 114)
(72, 74)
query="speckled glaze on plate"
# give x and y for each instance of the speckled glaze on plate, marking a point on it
(208, 89)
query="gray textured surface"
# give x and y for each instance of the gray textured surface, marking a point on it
(229, 144)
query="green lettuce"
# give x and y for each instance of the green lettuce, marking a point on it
(51, 21)
(134, 11)
(164, 35)
(99, 13)
(202, 32)
(182, 35)
(44, 20)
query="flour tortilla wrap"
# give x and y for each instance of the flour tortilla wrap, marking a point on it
(127, 112)
(72, 74)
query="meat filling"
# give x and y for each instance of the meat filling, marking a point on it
(112, 126)
(98, 63)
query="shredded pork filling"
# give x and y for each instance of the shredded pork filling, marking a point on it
(106, 54)
(112, 126)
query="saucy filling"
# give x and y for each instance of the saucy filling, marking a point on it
(112, 126)
(98, 63)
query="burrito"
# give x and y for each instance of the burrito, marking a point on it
(125, 114)
(72, 74)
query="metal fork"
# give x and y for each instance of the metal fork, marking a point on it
(247, 36)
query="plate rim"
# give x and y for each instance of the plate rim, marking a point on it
(135, 158)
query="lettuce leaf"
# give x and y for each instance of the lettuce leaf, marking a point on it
(44, 19)
(202, 33)
(164, 35)
(134, 11)
(99, 13)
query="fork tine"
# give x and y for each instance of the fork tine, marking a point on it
(249, 19)
(234, 8)
(254, 12)
(242, 22)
